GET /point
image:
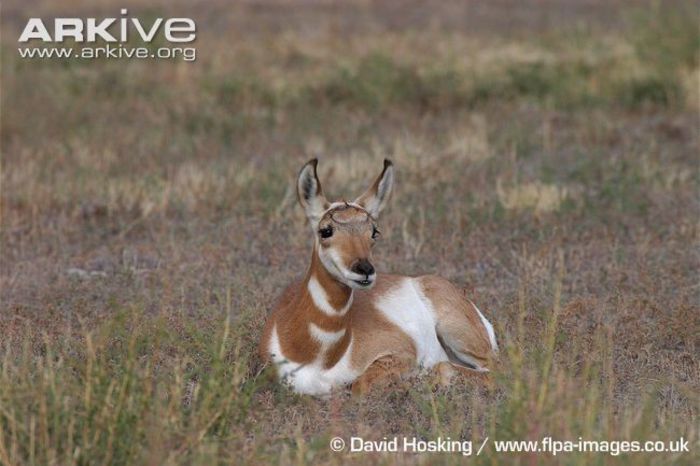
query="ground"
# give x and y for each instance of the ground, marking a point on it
(547, 162)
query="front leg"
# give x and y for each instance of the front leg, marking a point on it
(380, 373)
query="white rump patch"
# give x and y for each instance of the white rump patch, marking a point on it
(405, 307)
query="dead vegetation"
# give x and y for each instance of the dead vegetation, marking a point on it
(148, 221)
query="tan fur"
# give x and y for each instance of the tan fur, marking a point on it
(383, 350)
(380, 349)
(390, 368)
(457, 319)
(352, 232)
(381, 372)
(446, 372)
(375, 338)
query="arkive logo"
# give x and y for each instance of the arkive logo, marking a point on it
(177, 30)
(116, 38)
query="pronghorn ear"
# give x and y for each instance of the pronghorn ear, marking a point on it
(310, 193)
(376, 197)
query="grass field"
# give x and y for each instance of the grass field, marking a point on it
(547, 157)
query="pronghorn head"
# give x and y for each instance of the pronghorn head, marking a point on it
(345, 232)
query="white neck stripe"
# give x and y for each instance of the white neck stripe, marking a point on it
(325, 337)
(320, 299)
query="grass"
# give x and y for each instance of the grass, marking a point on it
(149, 221)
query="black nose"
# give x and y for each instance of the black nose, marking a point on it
(363, 267)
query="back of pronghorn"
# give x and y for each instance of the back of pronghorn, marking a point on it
(344, 323)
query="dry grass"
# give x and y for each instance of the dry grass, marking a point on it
(148, 221)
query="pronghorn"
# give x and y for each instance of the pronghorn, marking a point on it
(344, 323)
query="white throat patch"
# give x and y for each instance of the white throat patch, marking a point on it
(320, 299)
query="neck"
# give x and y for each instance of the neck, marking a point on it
(328, 294)
(329, 323)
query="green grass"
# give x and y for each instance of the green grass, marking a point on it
(656, 47)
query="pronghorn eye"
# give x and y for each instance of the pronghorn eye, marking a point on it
(375, 233)
(326, 232)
